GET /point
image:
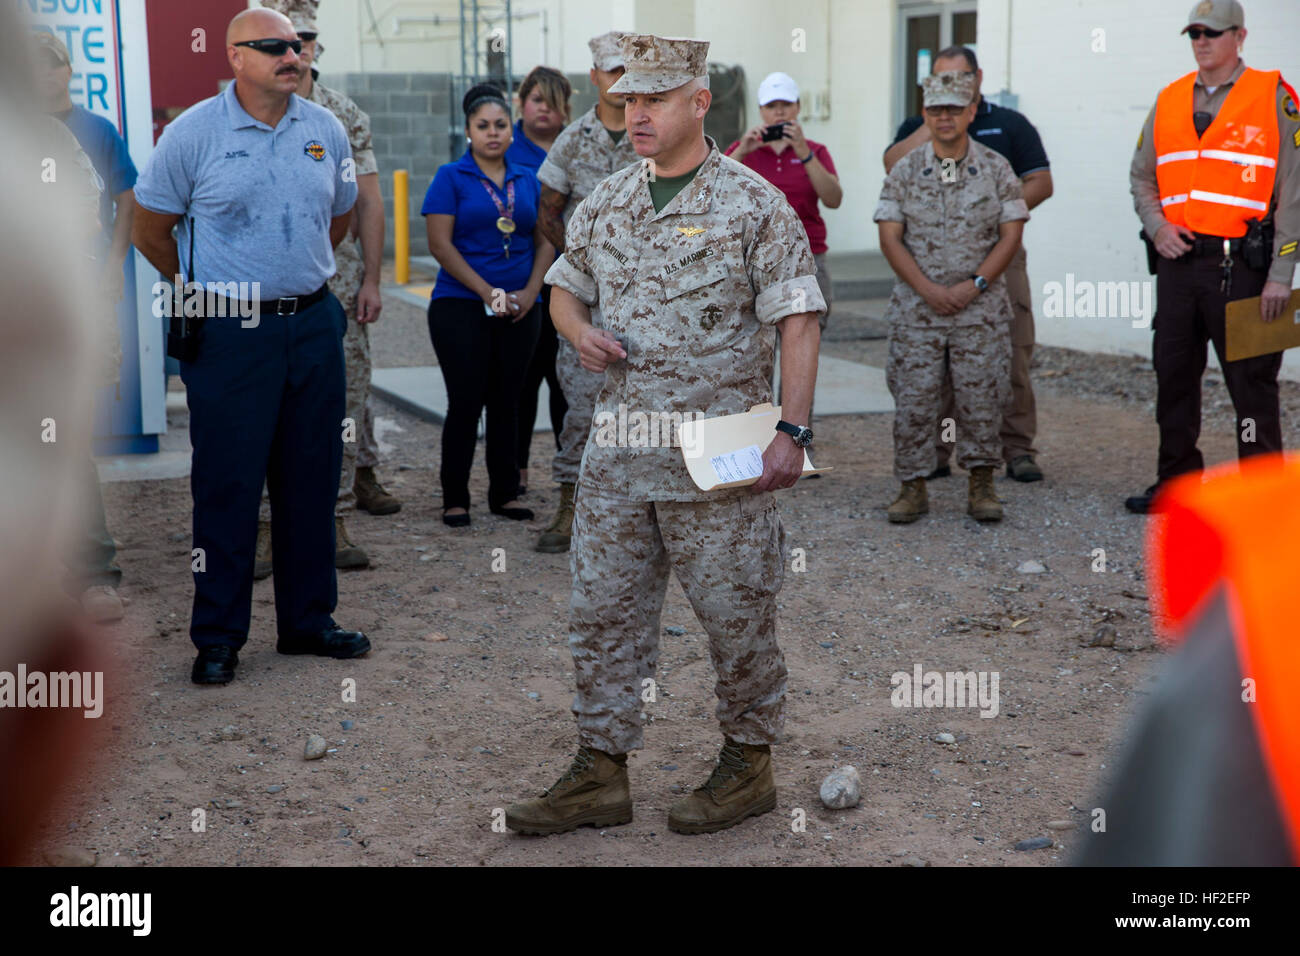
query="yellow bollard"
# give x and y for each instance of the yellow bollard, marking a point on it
(401, 227)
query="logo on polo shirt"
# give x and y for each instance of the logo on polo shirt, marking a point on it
(315, 149)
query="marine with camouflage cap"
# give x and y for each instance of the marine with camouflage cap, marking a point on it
(695, 262)
(356, 286)
(585, 152)
(951, 214)
(1220, 149)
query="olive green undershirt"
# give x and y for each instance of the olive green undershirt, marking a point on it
(664, 188)
(615, 134)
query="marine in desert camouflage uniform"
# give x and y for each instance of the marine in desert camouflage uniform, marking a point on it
(585, 152)
(357, 289)
(950, 213)
(694, 273)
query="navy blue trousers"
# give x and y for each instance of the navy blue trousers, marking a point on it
(266, 404)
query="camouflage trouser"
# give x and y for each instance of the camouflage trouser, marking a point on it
(728, 556)
(362, 451)
(580, 389)
(978, 359)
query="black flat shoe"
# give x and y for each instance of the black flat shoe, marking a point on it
(331, 642)
(514, 514)
(215, 665)
(456, 521)
(1141, 504)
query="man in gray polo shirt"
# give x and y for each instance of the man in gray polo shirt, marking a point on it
(261, 183)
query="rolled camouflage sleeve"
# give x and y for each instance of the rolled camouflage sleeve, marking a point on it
(552, 175)
(572, 271)
(363, 147)
(781, 268)
(890, 206)
(1010, 193)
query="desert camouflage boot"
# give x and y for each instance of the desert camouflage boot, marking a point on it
(592, 793)
(982, 500)
(740, 786)
(912, 502)
(555, 539)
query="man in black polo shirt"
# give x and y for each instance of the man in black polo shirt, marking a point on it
(1010, 134)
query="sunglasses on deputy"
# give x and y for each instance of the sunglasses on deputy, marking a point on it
(273, 47)
(1197, 32)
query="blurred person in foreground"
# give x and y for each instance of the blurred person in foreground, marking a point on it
(49, 345)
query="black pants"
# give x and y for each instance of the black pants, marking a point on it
(266, 403)
(542, 367)
(1190, 312)
(483, 360)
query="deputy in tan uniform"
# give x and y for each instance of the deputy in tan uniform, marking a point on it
(1220, 149)
(695, 270)
(356, 286)
(585, 152)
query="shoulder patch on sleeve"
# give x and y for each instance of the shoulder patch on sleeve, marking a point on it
(1289, 107)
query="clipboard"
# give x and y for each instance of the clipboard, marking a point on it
(723, 452)
(1248, 335)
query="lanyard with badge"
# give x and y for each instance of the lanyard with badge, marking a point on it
(506, 214)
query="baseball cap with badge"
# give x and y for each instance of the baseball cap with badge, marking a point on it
(949, 88)
(607, 50)
(655, 64)
(778, 86)
(1216, 14)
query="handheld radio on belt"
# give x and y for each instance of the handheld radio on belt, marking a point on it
(183, 331)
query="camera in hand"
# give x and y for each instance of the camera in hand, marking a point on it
(774, 132)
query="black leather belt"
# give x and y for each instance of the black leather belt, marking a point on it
(285, 305)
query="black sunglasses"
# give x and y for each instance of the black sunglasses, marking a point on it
(306, 37)
(273, 47)
(1197, 32)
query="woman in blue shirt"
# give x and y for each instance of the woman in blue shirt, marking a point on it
(485, 314)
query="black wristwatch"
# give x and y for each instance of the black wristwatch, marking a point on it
(802, 434)
(981, 283)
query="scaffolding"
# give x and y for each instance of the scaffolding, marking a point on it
(486, 56)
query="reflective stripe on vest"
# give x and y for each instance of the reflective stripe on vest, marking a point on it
(1214, 183)
(1238, 532)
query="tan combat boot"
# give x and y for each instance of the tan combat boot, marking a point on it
(983, 503)
(262, 560)
(912, 502)
(371, 495)
(102, 604)
(347, 554)
(555, 539)
(740, 786)
(592, 793)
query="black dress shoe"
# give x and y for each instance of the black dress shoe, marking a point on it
(331, 642)
(1141, 504)
(215, 665)
(456, 521)
(943, 471)
(514, 514)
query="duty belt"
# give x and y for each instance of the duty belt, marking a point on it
(1204, 245)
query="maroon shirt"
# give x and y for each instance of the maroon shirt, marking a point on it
(787, 174)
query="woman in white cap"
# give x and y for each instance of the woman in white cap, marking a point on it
(799, 167)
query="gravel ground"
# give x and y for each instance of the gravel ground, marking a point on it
(462, 707)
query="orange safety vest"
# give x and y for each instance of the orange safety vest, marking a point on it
(1240, 531)
(1214, 183)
